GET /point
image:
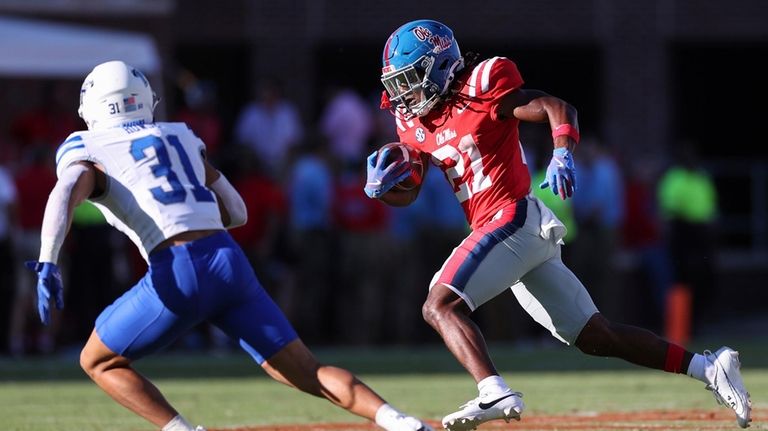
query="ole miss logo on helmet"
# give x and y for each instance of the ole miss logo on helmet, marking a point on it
(439, 42)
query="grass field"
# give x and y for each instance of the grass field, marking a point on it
(564, 390)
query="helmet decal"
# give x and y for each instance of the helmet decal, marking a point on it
(439, 42)
(131, 104)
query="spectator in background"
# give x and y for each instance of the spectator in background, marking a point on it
(270, 126)
(688, 202)
(7, 261)
(200, 113)
(404, 284)
(364, 260)
(440, 225)
(267, 209)
(382, 130)
(50, 122)
(33, 183)
(347, 123)
(311, 194)
(90, 267)
(642, 233)
(598, 209)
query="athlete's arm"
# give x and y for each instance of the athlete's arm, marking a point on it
(76, 183)
(231, 204)
(536, 106)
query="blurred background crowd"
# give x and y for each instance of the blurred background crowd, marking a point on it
(669, 218)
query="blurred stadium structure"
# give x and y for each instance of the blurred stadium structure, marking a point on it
(642, 74)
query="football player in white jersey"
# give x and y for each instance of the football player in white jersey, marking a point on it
(152, 182)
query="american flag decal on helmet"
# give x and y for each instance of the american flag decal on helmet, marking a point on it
(131, 105)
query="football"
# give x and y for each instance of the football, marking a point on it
(401, 151)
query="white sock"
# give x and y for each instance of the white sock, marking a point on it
(386, 416)
(178, 423)
(492, 385)
(697, 367)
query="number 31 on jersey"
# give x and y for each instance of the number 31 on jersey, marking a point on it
(164, 168)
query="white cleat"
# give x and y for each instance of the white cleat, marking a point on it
(485, 408)
(727, 385)
(200, 428)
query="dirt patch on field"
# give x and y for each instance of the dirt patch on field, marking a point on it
(578, 421)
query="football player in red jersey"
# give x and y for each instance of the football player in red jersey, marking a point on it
(464, 115)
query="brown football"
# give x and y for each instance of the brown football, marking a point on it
(401, 151)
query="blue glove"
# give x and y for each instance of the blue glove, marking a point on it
(561, 174)
(48, 284)
(382, 178)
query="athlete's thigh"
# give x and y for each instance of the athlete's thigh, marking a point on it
(140, 322)
(252, 317)
(494, 257)
(556, 299)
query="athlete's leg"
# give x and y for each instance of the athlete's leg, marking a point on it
(296, 366)
(448, 314)
(264, 332)
(113, 374)
(485, 264)
(601, 337)
(156, 311)
(557, 299)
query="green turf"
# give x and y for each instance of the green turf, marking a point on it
(230, 391)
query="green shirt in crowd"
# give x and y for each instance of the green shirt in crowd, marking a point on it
(687, 195)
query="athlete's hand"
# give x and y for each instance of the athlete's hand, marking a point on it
(382, 178)
(561, 174)
(48, 284)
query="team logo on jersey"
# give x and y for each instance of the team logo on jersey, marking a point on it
(444, 136)
(420, 135)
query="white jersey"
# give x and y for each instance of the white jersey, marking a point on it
(155, 180)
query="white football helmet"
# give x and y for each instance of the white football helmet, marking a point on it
(116, 94)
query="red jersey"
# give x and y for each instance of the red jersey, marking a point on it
(479, 153)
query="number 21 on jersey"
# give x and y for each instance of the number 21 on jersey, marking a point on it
(479, 180)
(163, 168)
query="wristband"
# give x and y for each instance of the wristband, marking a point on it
(566, 129)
